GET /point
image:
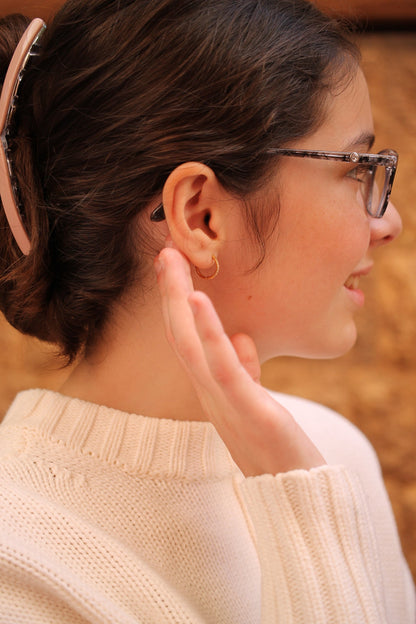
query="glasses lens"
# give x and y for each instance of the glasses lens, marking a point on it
(376, 191)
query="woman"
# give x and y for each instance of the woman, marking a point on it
(226, 140)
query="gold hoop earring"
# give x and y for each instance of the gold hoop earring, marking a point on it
(212, 275)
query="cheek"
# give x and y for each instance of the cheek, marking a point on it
(295, 299)
(304, 277)
(328, 237)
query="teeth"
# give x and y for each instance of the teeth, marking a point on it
(352, 282)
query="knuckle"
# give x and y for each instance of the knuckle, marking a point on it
(222, 374)
(187, 353)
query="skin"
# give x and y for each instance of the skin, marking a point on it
(323, 236)
(295, 303)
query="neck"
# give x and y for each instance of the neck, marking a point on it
(134, 369)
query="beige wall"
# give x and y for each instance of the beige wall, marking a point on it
(31, 8)
(372, 9)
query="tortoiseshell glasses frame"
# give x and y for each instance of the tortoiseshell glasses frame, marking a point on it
(376, 199)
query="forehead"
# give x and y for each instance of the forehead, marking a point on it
(348, 121)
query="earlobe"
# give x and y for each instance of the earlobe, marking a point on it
(214, 272)
(191, 200)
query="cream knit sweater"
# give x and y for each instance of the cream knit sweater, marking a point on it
(116, 518)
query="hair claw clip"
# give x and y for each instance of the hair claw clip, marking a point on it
(26, 48)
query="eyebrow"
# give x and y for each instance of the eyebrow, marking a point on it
(366, 139)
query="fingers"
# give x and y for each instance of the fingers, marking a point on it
(247, 354)
(224, 365)
(232, 380)
(196, 333)
(259, 433)
(175, 285)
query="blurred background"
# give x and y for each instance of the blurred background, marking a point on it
(374, 386)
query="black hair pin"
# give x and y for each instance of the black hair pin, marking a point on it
(158, 214)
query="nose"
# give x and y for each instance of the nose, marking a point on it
(387, 228)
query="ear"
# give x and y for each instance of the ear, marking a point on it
(193, 202)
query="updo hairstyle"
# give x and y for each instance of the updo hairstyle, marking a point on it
(122, 93)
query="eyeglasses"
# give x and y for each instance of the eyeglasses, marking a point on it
(374, 172)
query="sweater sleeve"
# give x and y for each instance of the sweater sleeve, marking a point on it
(316, 547)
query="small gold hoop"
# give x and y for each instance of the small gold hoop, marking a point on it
(212, 275)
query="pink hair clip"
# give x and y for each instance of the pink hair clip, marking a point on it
(9, 91)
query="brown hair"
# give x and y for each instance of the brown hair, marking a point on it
(120, 95)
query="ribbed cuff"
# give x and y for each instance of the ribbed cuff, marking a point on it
(316, 547)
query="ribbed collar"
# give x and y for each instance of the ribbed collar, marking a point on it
(137, 444)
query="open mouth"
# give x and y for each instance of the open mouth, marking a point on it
(352, 282)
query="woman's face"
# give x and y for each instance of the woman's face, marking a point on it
(303, 298)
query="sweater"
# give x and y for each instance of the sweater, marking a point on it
(115, 518)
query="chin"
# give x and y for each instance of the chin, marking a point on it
(323, 345)
(327, 347)
(333, 346)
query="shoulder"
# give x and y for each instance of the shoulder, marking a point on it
(342, 444)
(339, 441)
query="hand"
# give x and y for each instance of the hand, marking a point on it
(260, 434)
